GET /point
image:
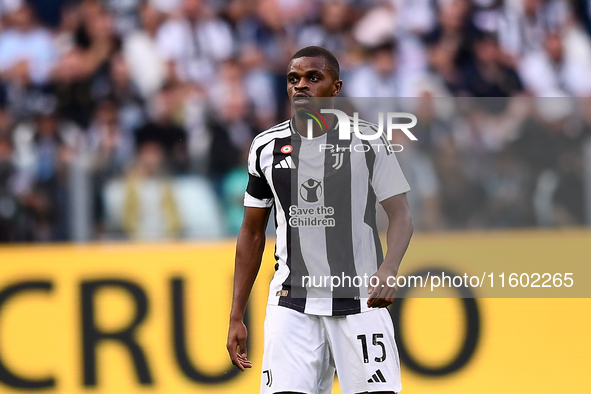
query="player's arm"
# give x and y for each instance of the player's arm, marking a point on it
(249, 252)
(398, 236)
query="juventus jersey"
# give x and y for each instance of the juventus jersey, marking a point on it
(324, 191)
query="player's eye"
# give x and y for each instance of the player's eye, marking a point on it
(314, 78)
(292, 80)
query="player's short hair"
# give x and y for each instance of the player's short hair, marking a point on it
(314, 51)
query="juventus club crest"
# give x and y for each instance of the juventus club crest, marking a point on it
(338, 155)
(269, 377)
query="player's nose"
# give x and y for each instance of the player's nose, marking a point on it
(301, 85)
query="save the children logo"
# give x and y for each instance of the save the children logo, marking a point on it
(315, 216)
(311, 190)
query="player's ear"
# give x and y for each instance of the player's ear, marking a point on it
(337, 87)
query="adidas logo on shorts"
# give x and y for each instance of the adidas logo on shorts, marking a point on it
(377, 377)
(286, 163)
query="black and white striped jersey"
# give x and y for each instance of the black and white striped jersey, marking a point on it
(324, 191)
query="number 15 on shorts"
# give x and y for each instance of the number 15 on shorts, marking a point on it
(376, 340)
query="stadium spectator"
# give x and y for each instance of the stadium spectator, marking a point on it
(149, 204)
(27, 50)
(382, 76)
(523, 28)
(140, 47)
(107, 144)
(43, 152)
(81, 73)
(486, 75)
(553, 71)
(122, 88)
(230, 126)
(332, 31)
(165, 129)
(195, 43)
(443, 70)
(455, 29)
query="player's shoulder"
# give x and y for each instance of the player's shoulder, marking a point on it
(280, 130)
(366, 128)
(276, 129)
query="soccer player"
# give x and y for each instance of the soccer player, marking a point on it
(324, 204)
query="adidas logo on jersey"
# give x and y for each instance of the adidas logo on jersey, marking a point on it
(286, 163)
(377, 377)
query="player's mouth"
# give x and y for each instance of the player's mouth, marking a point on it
(301, 99)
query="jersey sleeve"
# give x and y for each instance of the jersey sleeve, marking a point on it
(258, 192)
(387, 179)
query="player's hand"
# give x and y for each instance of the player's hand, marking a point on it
(236, 344)
(381, 295)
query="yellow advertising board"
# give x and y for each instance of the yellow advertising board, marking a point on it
(139, 318)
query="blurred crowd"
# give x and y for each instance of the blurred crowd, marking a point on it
(155, 103)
